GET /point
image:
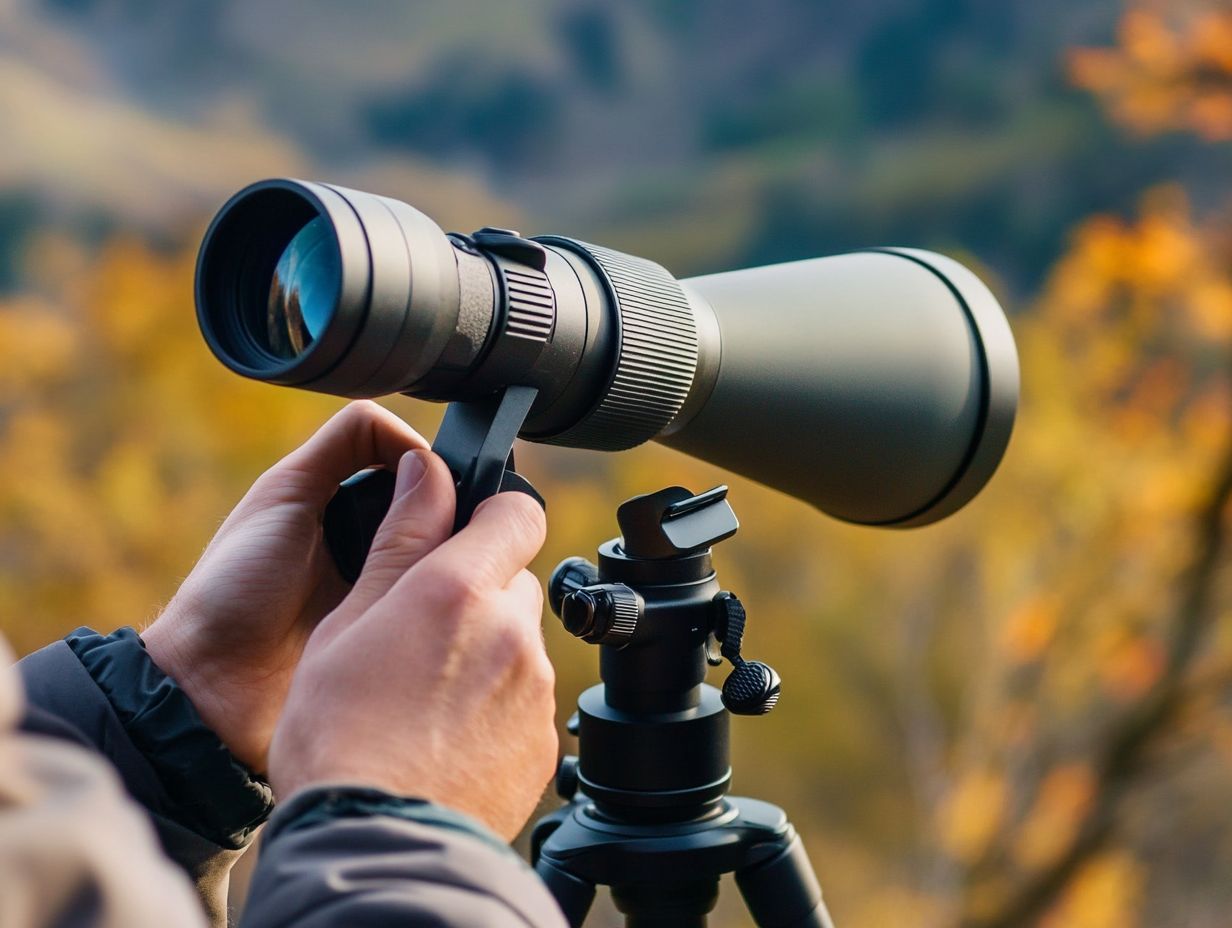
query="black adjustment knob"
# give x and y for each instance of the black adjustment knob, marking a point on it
(752, 688)
(571, 574)
(353, 516)
(567, 777)
(729, 619)
(602, 614)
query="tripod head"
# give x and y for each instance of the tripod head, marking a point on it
(665, 541)
(647, 808)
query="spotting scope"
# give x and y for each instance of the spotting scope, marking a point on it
(879, 386)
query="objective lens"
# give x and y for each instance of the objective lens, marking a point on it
(304, 291)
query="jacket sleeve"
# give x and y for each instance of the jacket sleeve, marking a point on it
(105, 693)
(74, 850)
(355, 856)
(331, 856)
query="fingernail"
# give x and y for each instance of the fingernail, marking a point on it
(410, 471)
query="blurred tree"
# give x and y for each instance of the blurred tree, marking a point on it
(1126, 431)
(1126, 438)
(1013, 718)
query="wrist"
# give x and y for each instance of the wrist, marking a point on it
(303, 762)
(171, 644)
(313, 763)
(326, 802)
(306, 756)
(166, 653)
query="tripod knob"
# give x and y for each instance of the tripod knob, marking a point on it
(752, 688)
(571, 574)
(603, 613)
(567, 781)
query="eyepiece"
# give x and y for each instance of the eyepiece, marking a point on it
(271, 281)
(310, 285)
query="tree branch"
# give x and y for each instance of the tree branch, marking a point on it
(1123, 756)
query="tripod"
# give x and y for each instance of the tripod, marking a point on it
(647, 811)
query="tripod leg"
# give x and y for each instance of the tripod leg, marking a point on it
(574, 896)
(783, 892)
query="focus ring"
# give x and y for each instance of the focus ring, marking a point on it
(532, 305)
(657, 356)
(529, 315)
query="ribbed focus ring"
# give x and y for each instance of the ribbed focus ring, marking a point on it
(657, 359)
(532, 306)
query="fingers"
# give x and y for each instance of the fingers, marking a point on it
(504, 534)
(420, 518)
(526, 590)
(361, 435)
(450, 574)
(526, 587)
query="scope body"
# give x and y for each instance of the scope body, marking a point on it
(879, 386)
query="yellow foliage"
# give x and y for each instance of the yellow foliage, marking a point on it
(36, 345)
(1030, 628)
(1170, 70)
(1129, 664)
(1061, 801)
(1107, 893)
(972, 814)
(122, 442)
(890, 907)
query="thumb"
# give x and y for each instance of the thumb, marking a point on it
(419, 519)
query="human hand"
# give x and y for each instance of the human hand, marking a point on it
(431, 679)
(232, 635)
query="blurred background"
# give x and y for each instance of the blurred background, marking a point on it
(1018, 717)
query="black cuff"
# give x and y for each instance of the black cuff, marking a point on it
(212, 793)
(320, 804)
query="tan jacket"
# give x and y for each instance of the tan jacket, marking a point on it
(73, 849)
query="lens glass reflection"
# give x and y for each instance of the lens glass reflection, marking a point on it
(303, 291)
